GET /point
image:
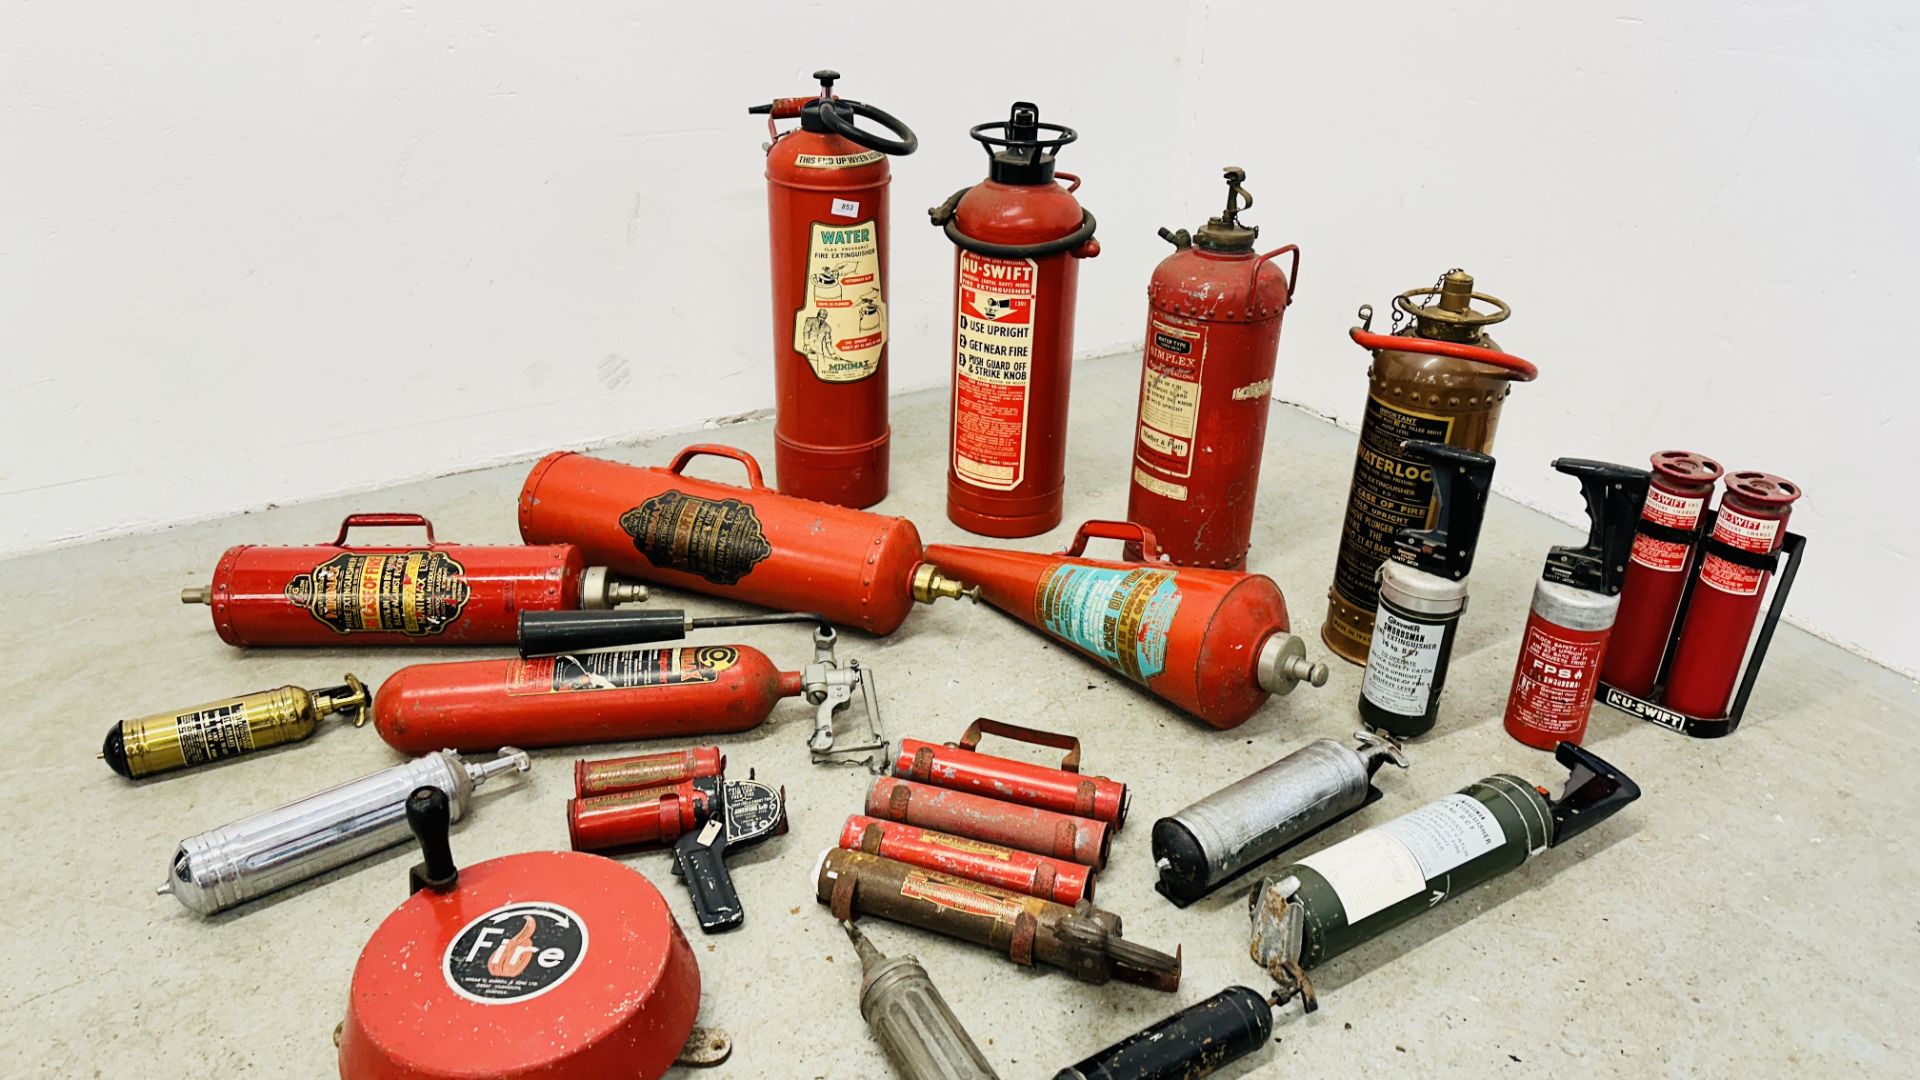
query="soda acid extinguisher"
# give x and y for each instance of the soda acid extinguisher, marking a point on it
(827, 215)
(1440, 379)
(1019, 237)
(1423, 593)
(1665, 544)
(1749, 528)
(419, 594)
(1574, 605)
(1213, 330)
(1214, 643)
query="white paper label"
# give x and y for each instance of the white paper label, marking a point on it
(846, 208)
(1400, 664)
(1381, 867)
(1447, 833)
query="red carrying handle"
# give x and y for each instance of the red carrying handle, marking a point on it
(1519, 369)
(1124, 531)
(716, 450)
(1293, 275)
(970, 739)
(382, 521)
(1073, 182)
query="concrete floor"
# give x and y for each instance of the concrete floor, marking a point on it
(1747, 916)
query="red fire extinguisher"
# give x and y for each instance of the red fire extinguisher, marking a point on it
(1019, 238)
(1213, 330)
(1749, 528)
(827, 211)
(423, 594)
(1664, 545)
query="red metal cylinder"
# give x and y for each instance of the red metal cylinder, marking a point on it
(827, 219)
(1558, 670)
(428, 594)
(743, 543)
(1029, 828)
(1726, 600)
(609, 775)
(963, 768)
(641, 818)
(1204, 640)
(568, 700)
(1021, 871)
(1663, 556)
(1019, 238)
(1206, 383)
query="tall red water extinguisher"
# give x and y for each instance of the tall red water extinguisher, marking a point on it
(1574, 605)
(827, 214)
(1749, 528)
(1664, 547)
(1020, 237)
(1213, 329)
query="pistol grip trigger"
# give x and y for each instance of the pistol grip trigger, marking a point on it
(700, 860)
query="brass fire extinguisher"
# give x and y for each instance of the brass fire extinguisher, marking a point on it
(1439, 379)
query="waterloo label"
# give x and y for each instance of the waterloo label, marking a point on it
(619, 669)
(515, 952)
(1392, 490)
(416, 593)
(841, 327)
(718, 539)
(993, 366)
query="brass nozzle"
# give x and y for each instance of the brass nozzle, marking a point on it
(199, 594)
(929, 584)
(1456, 291)
(352, 698)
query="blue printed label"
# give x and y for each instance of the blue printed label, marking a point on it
(1119, 616)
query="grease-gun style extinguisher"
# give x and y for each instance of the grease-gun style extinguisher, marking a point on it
(1213, 330)
(1574, 605)
(1665, 544)
(827, 215)
(1439, 379)
(1749, 529)
(1019, 237)
(1423, 592)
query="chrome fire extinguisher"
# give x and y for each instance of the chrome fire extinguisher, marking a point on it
(1019, 237)
(827, 214)
(1213, 330)
(1665, 545)
(1574, 605)
(1439, 379)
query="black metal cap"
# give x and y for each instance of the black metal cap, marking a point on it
(1462, 479)
(1595, 791)
(1614, 497)
(114, 750)
(1181, 860)
(1017, 151)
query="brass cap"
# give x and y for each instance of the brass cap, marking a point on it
(929, 584)
(1448, 314)
(351, 698)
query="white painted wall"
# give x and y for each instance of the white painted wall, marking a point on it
(254, 254)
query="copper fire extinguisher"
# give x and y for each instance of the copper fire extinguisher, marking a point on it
(827, 212)
(1440, 379)
(1215, 643)
(1213, 330)
(423, 594)
(1019, 237)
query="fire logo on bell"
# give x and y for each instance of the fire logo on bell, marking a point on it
(515, 952)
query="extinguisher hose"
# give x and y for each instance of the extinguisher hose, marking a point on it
(1516, 368)
(551, 633)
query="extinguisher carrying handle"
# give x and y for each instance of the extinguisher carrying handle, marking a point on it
(681, 459)
(970, 739)
(831, 118)
(1595, 791)
(1513, 366)
(1125, 531)
(1293, 275)
(378, 521)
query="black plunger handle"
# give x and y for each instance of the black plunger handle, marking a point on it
(700, 859)
(429, 815)
(551, 633)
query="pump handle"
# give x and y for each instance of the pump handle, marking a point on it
(1614, 496)
(429, 816)
(681, 459)
(1595, 791)
(970, 739)
(382, 521)
(1514, 367)
(1127, 531)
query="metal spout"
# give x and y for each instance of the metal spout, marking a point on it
(1283, 665)
(510, 758)
(929, 584)
(199, 594)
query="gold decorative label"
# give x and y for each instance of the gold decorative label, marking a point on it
(416, 593)
(718, 539)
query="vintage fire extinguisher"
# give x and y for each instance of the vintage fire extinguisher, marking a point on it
(1749, 528)
(430, 594)
(742, 543)
(1574, 605)
(228, 728)
(1440, 379)
(1212, 642)
(1664, 547)
(827, 211)
(1423, 593)
(1019, 238)
(1213, 330)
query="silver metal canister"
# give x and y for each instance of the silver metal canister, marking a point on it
(1249, 821)
(920, 1034)
(223, 867)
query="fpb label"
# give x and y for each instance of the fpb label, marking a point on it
(1119, 616)
(841, 325)
(993, 358)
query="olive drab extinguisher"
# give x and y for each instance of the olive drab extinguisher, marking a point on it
(1019, 237)
(827, 218)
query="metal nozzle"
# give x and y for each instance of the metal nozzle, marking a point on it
(1283, 665)
(929, 584)
(869, 956)
(1456, 291)
(199, 594)
(509, 758)
(351, 698)
(601, 588)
